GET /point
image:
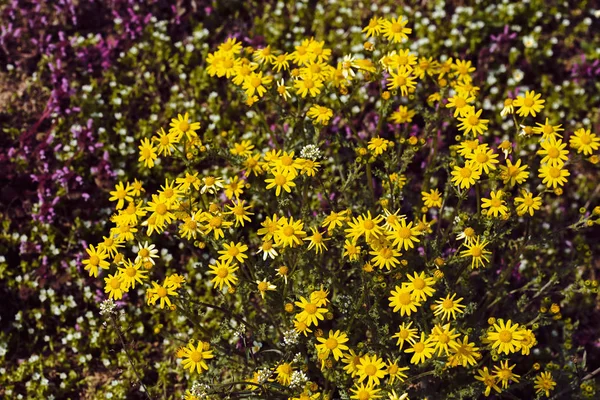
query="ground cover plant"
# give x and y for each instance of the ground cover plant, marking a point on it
(299, 200)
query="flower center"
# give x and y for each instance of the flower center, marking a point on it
(505, 336)
(448, 304)
(308, 83)
(553, 152)
(233, 251)
(222, 272)
(184, 126)
(161, 209)
(215, 222)
(331, 343)
(368, 224)
(481, 158)
(404, 298)
(161, 292)
(131, 272)
(196, 356)
(476, 251)
(528, 102)
(496, 203)
(419, 283)
(115, 283)
(403, 232)
(288, 231)
(419, 347)
(554, 172)
(466, 172)
(370, 370)
(263, 286)
(280, 180)
(94, 260)
(255, 81)
(473, 120)
(310, 308)
(396, 28)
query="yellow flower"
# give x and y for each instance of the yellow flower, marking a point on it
(584, 141)
(121, 194)
(553, 176)
(472, 122)
(460, 102)
(530, 104)
(240, 211)
(402, 115)
(483, 158)
(465, 177)
(334, 344)
(554, 152)
(432, 199)
(311, 313)
(224, 274)
(256, 83)
(463, 353)
(401, 79)
(488, 380)
(394, 371)
(233, 251)
(443, 337)
(405, 334)
(448, 306)
(512, 174)
(263, 286)
(373, 28)
(477, 251)
(320, 114)
(505, 374)
(403, 300)
(115, 286)
(544, 383)
(403, 235)
(385, 257)
(161, 293)
(527, 203)
(308, 84)
(280, 180)
(181, 126)
(317, 241)
(193, 357)
(395, 30)
(495, 204)
(284, 373)
(547, 130)
(289, 233)
(362, 392)
(364, 225)
(505, 337)
(97, 259)
(422, 350)
(371, 368)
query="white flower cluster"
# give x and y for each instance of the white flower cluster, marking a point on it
(200, 389)
(298, 378)
(311, 152)
(290, 337)
(108, 307)
(263, 375)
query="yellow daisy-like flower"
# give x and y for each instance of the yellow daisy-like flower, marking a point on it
(443, 337)
(160, 293)
(553, 176)
(147, 153)
(505, 337)
(256, 83)
(97, 259)
(115, 286)
(472, 122)
(132, 273)
(233, 251)
(395, 30)
(395, 372)
(279, 181)
(465, 177)
(224, 274)
(284, 373)
(403, 300)
(433, 198)
(512, 174)
(554, 152)
(488, 380)
(403, 235)
(311, 313)
(308, 85)
(477, 251)
(422, 350)
(527, 203)
(182, 126)
(448, 306)
(290, 233)
(505, 374)
(364, 225)
(334, 343)
(530, 104)
(460, 103)
(320, 114)
(402, 115)
(121, 194)
(463, 353)
(405, 334)
(385, 257)
(584, 141)
(420, 286)
(484, 158)
(547, 130)
(544, 383)
(316, 241)
(352, 360)
(495, 204)
(362, 392)
(374, 27)
(371, 368)
(193, 357)
(402, 79)
(379, 145)
(263, 286)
